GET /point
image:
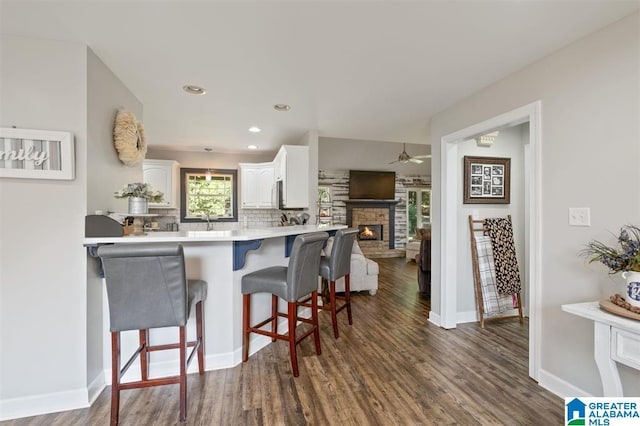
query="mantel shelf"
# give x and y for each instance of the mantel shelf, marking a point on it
(372, 202)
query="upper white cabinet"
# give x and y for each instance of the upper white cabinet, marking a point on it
(257, 183)
(292, 168)
(163, 175)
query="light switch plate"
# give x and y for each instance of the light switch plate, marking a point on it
(579, 216)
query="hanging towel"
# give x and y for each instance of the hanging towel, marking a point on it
(493, 303)
(504, 254)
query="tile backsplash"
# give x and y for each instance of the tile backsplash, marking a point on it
(253, 218)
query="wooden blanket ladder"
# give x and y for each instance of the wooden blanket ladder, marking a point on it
(476, 228)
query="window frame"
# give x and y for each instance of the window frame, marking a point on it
(184, 191)
(419, 190)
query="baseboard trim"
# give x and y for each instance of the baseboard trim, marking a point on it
(434, 319)
(95, 388)
(560, 387)
(46, 403)
(472, 316)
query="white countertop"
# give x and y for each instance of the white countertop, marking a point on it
(203, 236)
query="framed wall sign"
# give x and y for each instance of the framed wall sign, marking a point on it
(36, 154)
(487, 180)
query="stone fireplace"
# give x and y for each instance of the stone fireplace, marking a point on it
(378, 217)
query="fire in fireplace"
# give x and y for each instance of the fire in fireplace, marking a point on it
(370, 232)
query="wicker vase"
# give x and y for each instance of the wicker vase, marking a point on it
(138, 205)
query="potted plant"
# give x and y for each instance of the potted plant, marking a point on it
(139, 195)
(623, 257)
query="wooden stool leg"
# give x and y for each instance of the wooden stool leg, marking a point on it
(200, 337)
(347, 296)
(115, 377)
(314, 318)
(144, 354)
(274, 316)
(334, 313)
(246, 318)
(293, 319)
(183, 374)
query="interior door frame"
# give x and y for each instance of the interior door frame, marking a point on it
(533, 212)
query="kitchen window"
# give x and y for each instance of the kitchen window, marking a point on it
(208, 192)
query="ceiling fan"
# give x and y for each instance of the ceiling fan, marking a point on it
(405, 158)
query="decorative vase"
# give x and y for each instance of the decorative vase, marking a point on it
(633, 287)
(138, 205)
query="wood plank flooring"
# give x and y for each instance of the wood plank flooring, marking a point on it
(391, 367)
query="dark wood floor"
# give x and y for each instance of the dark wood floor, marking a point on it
(390, 367)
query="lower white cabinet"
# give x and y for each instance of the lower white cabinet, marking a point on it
(163, 175)
(257, 183)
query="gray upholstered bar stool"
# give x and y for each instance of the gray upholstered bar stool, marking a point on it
(335, 266)
(290, 283)
(147, 288)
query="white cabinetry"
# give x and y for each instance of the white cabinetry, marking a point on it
(163, 175)
(257, 183)
(292, 168)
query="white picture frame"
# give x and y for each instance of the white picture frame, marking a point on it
(36, 154)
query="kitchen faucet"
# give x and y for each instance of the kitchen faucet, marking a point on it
(209, 224)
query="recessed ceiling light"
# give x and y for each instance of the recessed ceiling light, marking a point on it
(194, 90)
(281, 107)
(253, 147)
(255, 129)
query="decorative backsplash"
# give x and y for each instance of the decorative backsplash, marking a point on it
(249, 218)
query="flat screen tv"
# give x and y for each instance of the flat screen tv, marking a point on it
(372, 185)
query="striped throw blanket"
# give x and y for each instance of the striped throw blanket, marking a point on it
(493, 302)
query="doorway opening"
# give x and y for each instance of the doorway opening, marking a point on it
(451, 195)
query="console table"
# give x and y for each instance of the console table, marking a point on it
(616, 339)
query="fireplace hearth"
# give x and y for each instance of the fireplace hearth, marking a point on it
(370, 232)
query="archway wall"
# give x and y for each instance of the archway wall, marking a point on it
(590, 102)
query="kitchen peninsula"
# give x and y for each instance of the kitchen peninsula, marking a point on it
(221, 258)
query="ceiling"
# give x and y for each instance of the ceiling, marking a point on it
(360, 70)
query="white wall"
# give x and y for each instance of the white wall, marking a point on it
(105, 95)
(51, 301)
(311, 140)
(590, 93)
(508, 144)
(350, 154)
(43, 306)
(214, 160)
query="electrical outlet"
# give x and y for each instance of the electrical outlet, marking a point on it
(579, 216)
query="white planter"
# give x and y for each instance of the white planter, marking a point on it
(633, 287)
(138, 205)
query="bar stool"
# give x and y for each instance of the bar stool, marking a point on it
(334, 267)
(147, 288)
(290, 283)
